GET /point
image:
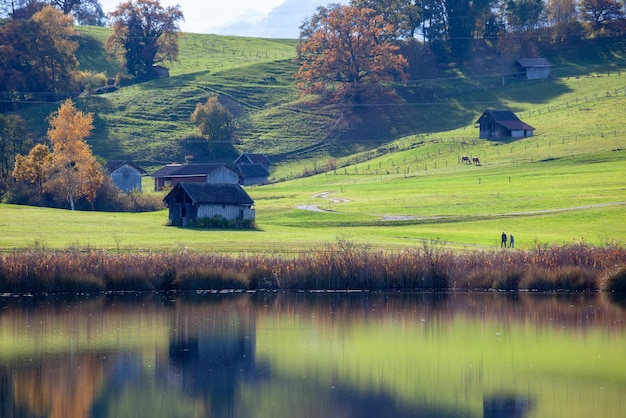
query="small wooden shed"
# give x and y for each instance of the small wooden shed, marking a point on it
(172, 174)
(501, 124)
(160, 71)
(250, 174)
(126, 176)
(251, 158)
(534, 68)
(253, 168)
(188, 202)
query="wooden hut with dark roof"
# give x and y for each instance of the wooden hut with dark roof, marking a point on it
(253, 168)
(502, 124)
(188, 202)
(172, 174)
(250, 174)
(251, 158)
(125, 175)
(534, 68)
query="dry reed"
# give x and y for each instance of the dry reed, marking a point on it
(341, 265)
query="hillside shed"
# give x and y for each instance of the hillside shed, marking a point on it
(534, 68)
(172, 174)
(253, 168)
(250, 174)
(190, 201)
(251, 158)
(159, 71)
(496, 124)
(126, 176)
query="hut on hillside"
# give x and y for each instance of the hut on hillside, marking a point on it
(534, 68)
(172, 174)
(253, 168)
(125, 175)
(502, 124)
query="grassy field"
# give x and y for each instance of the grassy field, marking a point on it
(565, 184)
(562, 201)
(149, 123)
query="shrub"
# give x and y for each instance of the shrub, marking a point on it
(222, 223)
(576, 279)
(480, 279)
(89, 81)
(508, 280)
(66, 283)
(262, 278)
(122, 80)
(195, 278)
(111, 199)
(614, 281)
(539, 279)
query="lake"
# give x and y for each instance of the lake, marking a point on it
(313, 354)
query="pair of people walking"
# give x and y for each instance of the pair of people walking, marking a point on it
(511, 241)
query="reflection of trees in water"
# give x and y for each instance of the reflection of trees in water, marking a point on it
(55, 387)
(207, 359)
(580, 310)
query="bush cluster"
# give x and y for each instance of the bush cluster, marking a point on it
(109, 199)
(222, 223)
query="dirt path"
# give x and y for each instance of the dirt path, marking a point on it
(328, 196)
(323, 195)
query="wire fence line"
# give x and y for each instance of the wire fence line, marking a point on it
(442, 158)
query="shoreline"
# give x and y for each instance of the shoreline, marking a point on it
(339, 266)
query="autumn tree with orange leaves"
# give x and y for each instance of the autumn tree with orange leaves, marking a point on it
(346, 53)
(74, 171)
(33, 167)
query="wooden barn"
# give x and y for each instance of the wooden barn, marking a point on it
(251, 158)
(534, 68)
(190, 201)
(250, 174)
(253, 168)
(158, 71)
(502, 124)
(126, 176)
(172, 174)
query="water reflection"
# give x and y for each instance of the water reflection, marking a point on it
(312, 355)
(506, 405)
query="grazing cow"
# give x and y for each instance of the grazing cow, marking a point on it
(476, 160)
(465, 159)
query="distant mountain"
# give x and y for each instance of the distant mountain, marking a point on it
(250, 17)
(282, 22)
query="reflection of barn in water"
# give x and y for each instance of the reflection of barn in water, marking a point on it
(508, 405)
(212, 351)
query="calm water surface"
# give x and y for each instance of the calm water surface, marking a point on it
(313, 355)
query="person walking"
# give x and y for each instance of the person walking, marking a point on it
(511, 241)
(503, 242)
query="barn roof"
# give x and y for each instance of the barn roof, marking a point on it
(113, 165)
(166, 171)
(255, 158)
(505, 118)
(252, 170)
(534, 62)
(211, 193)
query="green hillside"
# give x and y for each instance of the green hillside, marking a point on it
(149, 122)
(389, 175)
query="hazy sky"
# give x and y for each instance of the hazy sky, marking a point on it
(207, 16)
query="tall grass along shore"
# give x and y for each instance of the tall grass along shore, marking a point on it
(341, 265)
